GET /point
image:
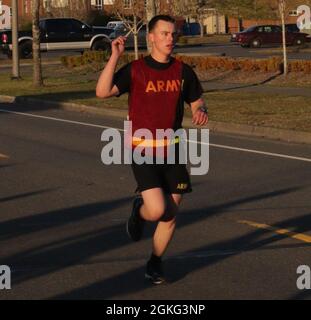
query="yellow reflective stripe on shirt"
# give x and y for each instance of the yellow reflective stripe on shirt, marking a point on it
(154, 143)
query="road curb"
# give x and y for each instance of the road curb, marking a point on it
(214, 126)
(8, 66)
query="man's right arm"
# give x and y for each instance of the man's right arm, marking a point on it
(105, 87)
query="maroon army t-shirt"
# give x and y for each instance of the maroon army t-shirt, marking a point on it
(160, 79)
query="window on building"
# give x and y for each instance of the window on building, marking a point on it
(26, 4)
(127, 4)
(97, 4)
(293, 13)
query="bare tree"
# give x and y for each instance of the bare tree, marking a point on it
(282, 9)
(282, 12)
(133, 17)
(37, 68)
(79, 9)
(245, 9)
(196, 9)
(269, 9)
(151, 11)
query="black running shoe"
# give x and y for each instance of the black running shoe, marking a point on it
(135, 224)
(154, 273)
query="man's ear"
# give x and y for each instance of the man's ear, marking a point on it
(151, 37)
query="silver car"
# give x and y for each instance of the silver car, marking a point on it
(121, 30)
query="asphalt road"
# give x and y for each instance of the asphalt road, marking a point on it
(63, 213)
(227, 49)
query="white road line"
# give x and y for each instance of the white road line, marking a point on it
(122, 130)
(259, 152)
(56, 119)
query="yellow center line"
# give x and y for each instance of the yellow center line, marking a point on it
(290, 234)
(3, 156)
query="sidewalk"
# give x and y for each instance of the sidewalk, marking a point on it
(29, 64)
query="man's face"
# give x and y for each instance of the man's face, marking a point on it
(163, 37)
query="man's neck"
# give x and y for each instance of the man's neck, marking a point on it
(160, 57)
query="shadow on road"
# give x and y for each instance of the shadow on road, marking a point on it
(127, 283)
(60, 254)
(27, 194)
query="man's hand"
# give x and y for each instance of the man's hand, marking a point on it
(200, 117)
(118, 46)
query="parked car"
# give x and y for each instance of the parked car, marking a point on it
(114, 24)
(291, 27)
(121, 30)
(59, 34)
(257, 36)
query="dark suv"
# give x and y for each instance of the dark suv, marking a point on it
(59, 34)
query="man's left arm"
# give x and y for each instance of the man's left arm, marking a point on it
(193, 92)
(199, 112)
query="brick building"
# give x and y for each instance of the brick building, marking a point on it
(214, 22)
(24, 6)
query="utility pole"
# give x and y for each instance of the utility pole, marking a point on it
(282, 9)
(15, 55)
(48, 8)
(151, 11)
(37, 68)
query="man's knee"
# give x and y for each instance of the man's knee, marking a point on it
(155, 213)
(164, 211)
(170, 212)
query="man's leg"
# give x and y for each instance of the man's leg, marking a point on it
(159, 207)
(154, 204)
(165, 229)
(149, 207)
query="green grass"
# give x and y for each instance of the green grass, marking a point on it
(277, 111)
(221, 38)
(4, 61)
(290, 49)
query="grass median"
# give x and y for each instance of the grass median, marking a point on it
(207, 39)
(78, 86)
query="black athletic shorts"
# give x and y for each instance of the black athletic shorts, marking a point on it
(172, 178)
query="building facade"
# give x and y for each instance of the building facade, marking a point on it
(213, 22)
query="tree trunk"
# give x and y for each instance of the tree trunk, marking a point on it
(201, 28)
(150, 12)
(37, 69)
(135, 33)
(239, 24)
(282, 13)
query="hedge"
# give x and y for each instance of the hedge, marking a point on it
(88, 57)
(201, 63)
